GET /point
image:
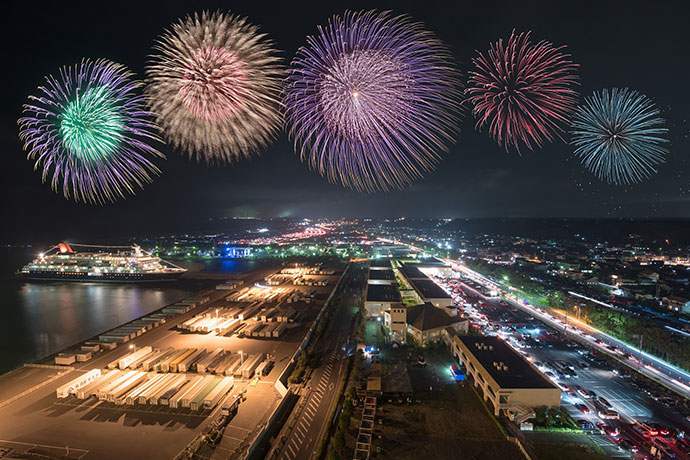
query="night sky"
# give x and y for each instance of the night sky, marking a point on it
(643, 46)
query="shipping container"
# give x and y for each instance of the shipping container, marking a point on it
(174, 401)
(212, 368)
(189, 363)
(172, 380)
(279, 330)
(117, 394)
(201, 386)
(92, 347)
(133, 397)
(203, 363)
(90, 389)
(146, 396)
(146, 364)
(81, 381)
(134, 356)
(250, 365)
(198, 401)
(82, 356)
(120, 377)
(165, 364)
(214, 397)
(264, 368)
(174, 364)
(65, 359)
(173, 388)
(227, 360)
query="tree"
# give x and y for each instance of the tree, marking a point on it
(352, 393)
(338, 441)
(344, 423)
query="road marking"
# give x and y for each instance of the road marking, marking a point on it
(290, 450)
(309, 412)
(32, 446)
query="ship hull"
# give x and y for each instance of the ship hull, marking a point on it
(100, 278)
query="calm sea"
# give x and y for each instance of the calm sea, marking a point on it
(41, 318)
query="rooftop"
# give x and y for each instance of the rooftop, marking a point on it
(381, 275)
(412, 273)
(429, 290)
(383, 293)
(426, 317)
(381, 263)
(515, 372)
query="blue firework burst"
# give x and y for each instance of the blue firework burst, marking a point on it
(619, 136)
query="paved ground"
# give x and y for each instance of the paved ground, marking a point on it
(23, 379)
(93, 429)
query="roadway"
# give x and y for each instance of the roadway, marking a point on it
(652, 367)
(551, 346)
(299, 438)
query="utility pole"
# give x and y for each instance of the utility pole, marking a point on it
(639, 361)
(565, 325)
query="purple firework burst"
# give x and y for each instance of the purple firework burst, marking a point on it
(89, 131)
(372, 100)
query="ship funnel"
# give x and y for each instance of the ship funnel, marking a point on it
(65, 249)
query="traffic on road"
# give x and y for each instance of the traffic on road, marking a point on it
(625, 413)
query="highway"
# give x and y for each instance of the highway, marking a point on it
(299, 438)
(655, 368)
(551, 349)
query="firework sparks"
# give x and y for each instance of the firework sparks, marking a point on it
(88, 130)
(215, 87)
(372, 100)
(523, 93)
(619, 136)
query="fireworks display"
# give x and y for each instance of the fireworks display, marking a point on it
(372, 100)
(523, 93)
(619, 136)
(214, 85)
(89, 131)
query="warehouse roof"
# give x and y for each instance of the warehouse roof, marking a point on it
(381, 263)
(381, 275)
(427, 289)
(515, 371)
(412, 273)
(383, 293)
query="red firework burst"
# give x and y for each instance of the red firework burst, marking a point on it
(523, 93)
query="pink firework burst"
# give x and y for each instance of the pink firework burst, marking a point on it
(523, 93)
(214, 84)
